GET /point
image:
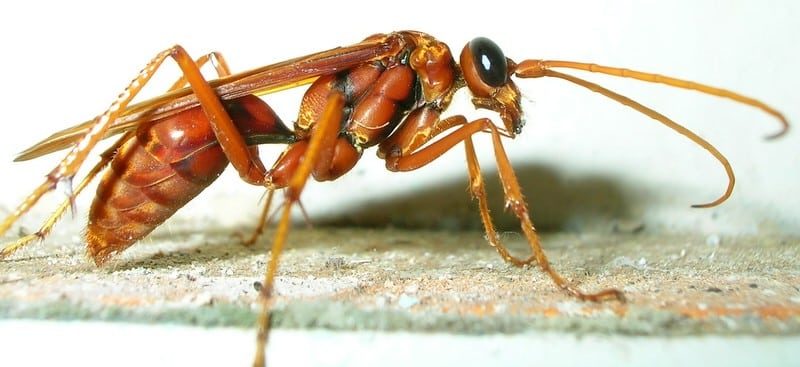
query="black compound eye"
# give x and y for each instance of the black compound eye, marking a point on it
(489, 61)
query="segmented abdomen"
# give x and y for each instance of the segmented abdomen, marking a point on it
(156, 172)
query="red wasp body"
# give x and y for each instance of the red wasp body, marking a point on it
(161, 167)
(389, 91)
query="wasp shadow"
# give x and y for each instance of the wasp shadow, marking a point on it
(586, 202)
(574, 203)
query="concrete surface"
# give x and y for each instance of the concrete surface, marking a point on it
(423, 282)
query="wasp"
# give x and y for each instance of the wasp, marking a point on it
(390, 92)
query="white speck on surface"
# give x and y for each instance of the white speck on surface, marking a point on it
(713, 240)
(407, 301)
(732, 278)
(624, 261)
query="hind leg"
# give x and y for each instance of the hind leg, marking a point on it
(222, 70)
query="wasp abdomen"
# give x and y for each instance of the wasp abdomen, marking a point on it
(164, 166)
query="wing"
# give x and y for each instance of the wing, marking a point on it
(264, 80)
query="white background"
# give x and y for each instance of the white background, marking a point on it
(64, 62)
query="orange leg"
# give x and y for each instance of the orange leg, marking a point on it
(66, 169)
(216, 59)
(222, 70)
(265, 217)
(250, 167)
(478, 191)
(262, 221)
(516, 203)
(45, 229)
(511, 189)
(323, 139)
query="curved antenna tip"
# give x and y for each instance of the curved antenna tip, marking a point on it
(784, 125)
(780, 133)
(713, 203)
(725, 195)
(707, 205)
